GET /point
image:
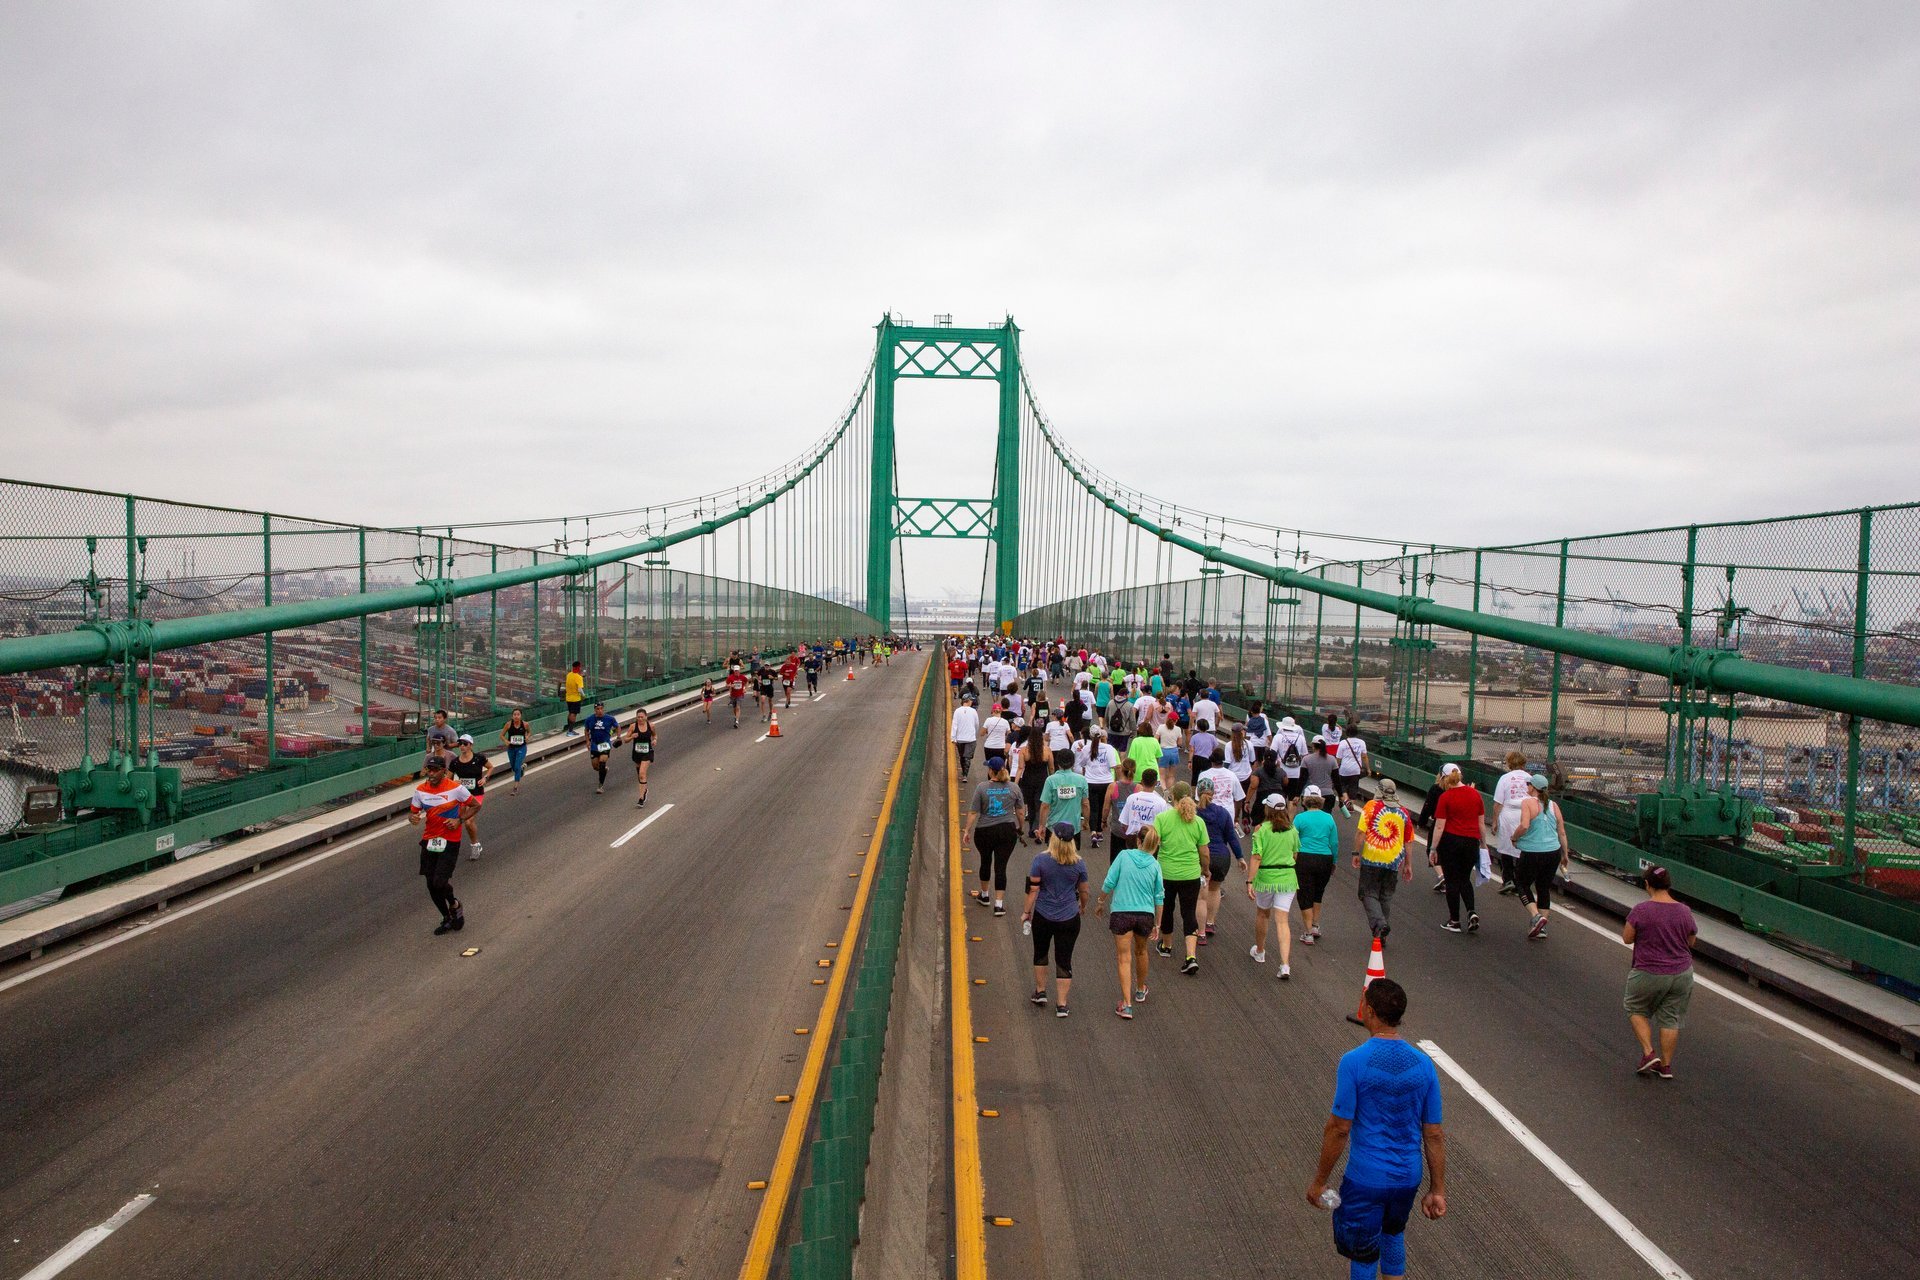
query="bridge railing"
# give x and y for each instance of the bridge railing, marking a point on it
(319, 685)
(1835, 816)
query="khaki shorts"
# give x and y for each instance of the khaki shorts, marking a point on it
(1661, 998)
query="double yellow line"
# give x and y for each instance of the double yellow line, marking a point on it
(765, 1240)
(969, 1189)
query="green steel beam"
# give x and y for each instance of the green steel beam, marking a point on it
(1006, 484)
(880, 495)
(1716, 670)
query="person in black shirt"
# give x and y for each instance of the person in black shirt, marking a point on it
(472, 767)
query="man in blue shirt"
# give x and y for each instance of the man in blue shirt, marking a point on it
(1386, 1099)
(600, 730)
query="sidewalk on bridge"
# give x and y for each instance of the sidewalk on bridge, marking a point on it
(30, 933)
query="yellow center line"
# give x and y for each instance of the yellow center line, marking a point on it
(786, 1163)
(969, 1190)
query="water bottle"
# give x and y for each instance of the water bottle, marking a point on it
(1329, 1199)
(1026, 928)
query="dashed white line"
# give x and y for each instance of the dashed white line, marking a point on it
(1636, 1240)
(761, 738)
(1858, 1059)
(642, 825)
(84, 1243)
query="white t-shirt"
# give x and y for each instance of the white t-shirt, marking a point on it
(1169, 735)
(1332, 733)
(1015, 703)
(1132, 683)
(993, 733)
(1511, 790)
(1297, 736)
(1349, 753)
(1059, 738)
(1242, 765)
(1100, 764)
(1140, 809)
(966, 724)
(1208, 711)
(1147, 707)
(1081, 680)
(1225, 787)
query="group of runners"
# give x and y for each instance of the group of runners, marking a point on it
(450, 789)
(1083, 750)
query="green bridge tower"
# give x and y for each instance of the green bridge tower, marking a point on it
(910, 351)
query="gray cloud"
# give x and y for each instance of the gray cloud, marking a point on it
(1467, 272)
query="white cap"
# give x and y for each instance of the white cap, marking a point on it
(467, 738)
(1274, 801)
(1312, 791)
(1449, 767)
(1286, 722)
(1318, 738)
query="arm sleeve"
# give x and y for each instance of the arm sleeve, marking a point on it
(1345, 1091)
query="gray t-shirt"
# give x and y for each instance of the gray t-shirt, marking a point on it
(1318, 770)
(996, 803)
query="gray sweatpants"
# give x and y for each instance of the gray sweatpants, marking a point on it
(1376, 894)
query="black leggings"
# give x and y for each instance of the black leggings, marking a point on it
(1459, 860)
(1097, 799)
(1062, 934)
(1316, 873)
(1030, 783)
(1187, 894)
(995, 844)
(1535, 875)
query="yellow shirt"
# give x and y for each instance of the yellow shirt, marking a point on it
(1385, 830)
(576, 686)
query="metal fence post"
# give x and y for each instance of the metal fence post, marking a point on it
(493, 638)
(1473, 660)
(536, 694)
(133, 609)
(266, 597)
(1319, 630)
(366, 714)
(1862, 585)
(1353, 694)
(1559, 620)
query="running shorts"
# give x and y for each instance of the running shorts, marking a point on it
(1273, 899)
(439, 866)
(1137, 923)
(573, 706)
(1218, 864)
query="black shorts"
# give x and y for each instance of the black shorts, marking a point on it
(638, 758)
(439, 866)
(573, 706)
(1218, 864)
(1316, 873)
(1137, 923)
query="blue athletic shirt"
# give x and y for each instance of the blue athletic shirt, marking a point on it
(601, 729)
(1059, 896)
(1319, 835)
(1388, 1089)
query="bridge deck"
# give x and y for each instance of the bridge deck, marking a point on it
(313, 1085)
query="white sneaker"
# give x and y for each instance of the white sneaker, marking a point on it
(1286, 971)
(1259, 956)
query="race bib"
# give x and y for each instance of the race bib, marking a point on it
(437, 844)
(602, 748)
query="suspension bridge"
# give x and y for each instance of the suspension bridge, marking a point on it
(753, 1028)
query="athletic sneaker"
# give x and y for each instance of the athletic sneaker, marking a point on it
(473, 853)
(599, 790)
(459, 917)
(1163, 949)
(1059, 1011)
(983, 898)
(1439, 886)
(1451, 926)
(1473, 922)
(1209, 932)
(1124, 1009)
(641, 803)
(1203, 937)
(999, 908)
(1190, 966)
(1259, 956)
(1538, 929)
(1139, 995)
(1038, 997)
(1286, 972)
(1664, 1071)
(446, 926)
(1649, 1063)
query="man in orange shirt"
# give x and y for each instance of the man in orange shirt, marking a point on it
(440, 805)
(1384, 830)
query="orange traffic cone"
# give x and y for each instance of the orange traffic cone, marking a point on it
(849, 672)
(774, 731)
(1376, 968)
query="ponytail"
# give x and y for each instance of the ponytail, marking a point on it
(1183, 801)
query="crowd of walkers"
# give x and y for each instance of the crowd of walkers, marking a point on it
(1089, 752)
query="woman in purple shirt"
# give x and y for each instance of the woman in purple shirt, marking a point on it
(1660, 984)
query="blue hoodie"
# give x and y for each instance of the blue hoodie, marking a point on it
(1221, 837)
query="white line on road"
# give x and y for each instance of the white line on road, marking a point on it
(84, 1243)
(385, 827)
(761, 738)
(642, 825)
(1654, 1256)
(1858, 1059)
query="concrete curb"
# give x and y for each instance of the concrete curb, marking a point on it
(29, 934)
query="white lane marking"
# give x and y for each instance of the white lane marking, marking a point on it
(1650, 1252)
(761, 738)
(1858, 1059)
(642, 825)
(384, 827)
(84, 1243)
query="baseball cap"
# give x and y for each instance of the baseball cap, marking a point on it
(1312, 790)
(436, 762)
(467, 738)
(1449, 767)
(1064, 830)
(1319, 740)
(1539, 780)
(1275, 801)
(1387, 788)
(996, 762)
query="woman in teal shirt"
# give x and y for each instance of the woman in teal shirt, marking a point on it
(1134, 888)
(1319, 846)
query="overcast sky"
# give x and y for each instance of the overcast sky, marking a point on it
(1462, 272)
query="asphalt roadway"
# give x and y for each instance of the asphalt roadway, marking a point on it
(1181, 1143)
(310, 1084)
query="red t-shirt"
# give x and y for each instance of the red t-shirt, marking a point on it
(737, 683)
(788, 670)
(441, 803)
(957, 668)
(1460, 810)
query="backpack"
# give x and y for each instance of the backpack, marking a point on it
(1292, 756)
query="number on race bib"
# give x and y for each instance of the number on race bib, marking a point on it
(437, 844)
